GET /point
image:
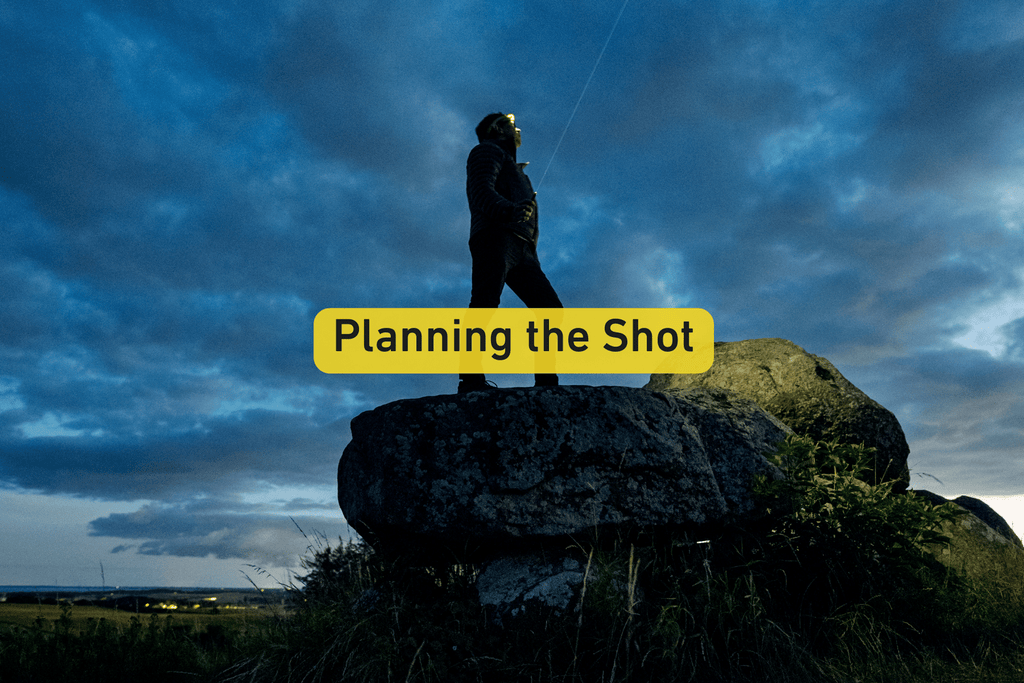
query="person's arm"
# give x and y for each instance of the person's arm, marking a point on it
(481, 174)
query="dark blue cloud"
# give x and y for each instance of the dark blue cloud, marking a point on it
(199, 454)
(223, 529)
(183, 186)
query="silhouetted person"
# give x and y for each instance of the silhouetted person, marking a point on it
(503, 229)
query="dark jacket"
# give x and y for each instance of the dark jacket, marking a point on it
(495, 184)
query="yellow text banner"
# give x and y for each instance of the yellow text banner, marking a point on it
(513, 340)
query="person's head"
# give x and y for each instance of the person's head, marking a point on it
(498, 126)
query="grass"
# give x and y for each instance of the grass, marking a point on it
(51, 644)
(27, 615)
(838, 582)
(668, 614)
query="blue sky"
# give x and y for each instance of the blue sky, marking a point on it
(184, 185)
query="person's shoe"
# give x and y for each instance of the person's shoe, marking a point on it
(466, 386)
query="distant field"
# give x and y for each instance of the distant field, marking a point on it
(26, 615)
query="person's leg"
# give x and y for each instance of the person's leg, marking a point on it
(532, 286)
(490, 267)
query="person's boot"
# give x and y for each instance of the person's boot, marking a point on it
(468, 383)
(545, 380)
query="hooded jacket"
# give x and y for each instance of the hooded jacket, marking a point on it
(495, 184)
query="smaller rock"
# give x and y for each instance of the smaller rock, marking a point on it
(980, 550)
(530, 585)
(992, 518)
(997, 531)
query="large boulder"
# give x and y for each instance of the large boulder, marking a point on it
(808, 394)
(515, 469)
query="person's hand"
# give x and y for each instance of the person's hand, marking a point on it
(524, 210)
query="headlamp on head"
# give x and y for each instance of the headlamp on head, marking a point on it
(511, 118)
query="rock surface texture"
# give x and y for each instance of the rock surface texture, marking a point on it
(807, 393)
(493, 471)
(527, 584)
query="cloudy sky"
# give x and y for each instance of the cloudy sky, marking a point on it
(185, 184)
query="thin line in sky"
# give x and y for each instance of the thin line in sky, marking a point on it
(586, 85)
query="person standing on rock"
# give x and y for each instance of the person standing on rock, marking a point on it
(503, 229)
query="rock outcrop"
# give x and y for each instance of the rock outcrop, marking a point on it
(506, 470)
(982, 545)
(807, 393)
(996, 529)
(990, 517)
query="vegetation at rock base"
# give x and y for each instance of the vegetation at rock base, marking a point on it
(838, 581)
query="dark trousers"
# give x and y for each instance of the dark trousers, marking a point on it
(499, 259)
